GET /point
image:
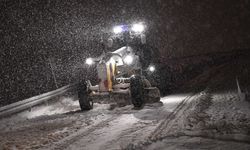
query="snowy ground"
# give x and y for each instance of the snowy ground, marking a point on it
(209, 121)
(215, 118)
(198, 122)
(63, 126)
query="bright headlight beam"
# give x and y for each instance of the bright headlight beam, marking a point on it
(128, 59)
(117, 29)
(89, 61)
(138, 28)
(151, 68)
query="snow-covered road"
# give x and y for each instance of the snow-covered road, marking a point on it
(63, 126)
(180, 121)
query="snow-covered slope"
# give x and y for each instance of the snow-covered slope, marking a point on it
(216, 118)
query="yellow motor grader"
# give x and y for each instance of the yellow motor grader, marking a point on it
(120, 73)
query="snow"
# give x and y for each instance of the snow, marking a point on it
(63, 106)
(198, 143)
(170, 102)
(229, 114)
(102, 128)
(208, 121)
(110, 132)
(215, 118)
(63, 126)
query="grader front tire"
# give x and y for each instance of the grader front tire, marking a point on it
(85, 101)
(136, 89)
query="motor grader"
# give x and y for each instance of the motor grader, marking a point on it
(121, 73)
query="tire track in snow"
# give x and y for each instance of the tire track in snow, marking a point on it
(165, 123)
(134, 133)
(164, 126)
(63, 144)
(108, 136)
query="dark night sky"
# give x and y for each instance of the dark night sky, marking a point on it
(206, 26)
(68, 31)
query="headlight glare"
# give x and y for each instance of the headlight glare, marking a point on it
(128, 59)
(117, 29)
(89, 61)
(138, 28)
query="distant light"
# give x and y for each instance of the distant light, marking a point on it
(128, 59)
(89, 61)
(151, 68)
(138, 28)
(117, 29)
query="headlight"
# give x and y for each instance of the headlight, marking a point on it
(117, 29)
(151, 68)
(89, 61)
(138, 28)
(128, 59)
